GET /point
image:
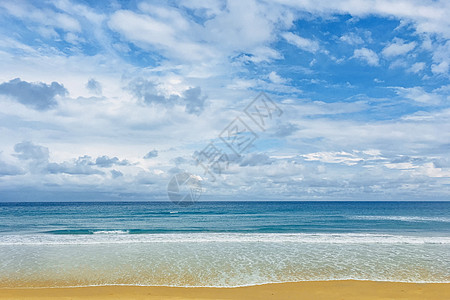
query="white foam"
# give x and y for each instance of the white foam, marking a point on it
(116, 237)
(111, 232)
(401, 218)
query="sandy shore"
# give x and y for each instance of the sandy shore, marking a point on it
(347, 289)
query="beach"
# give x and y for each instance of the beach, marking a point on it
(250, 250)
(348, 289)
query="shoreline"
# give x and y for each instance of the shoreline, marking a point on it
(347, 289)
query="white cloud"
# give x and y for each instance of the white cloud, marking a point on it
(427, 16)
(417, 67)
(49, 18)
(352, 39)
(441, 68)
(398, 47)
(334, 157)
(302, 43)
(319, 148)
(367, 55)
(419, 95)
(147, 32)
(275, 78)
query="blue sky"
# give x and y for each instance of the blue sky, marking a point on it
(109, 101)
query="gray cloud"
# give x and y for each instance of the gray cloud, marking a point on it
(106, 162)
(81, 166)
(194, 100)
(72, 169)
(442, 163)
(116, 174)
(94, 86)
(284, 130)
(85, 165)
(38, 158)
(37, 95)
(256, 159)
(29, 151)
(8, 169)
(146, 91)
(151, 154)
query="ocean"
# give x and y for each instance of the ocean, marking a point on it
(222, 244)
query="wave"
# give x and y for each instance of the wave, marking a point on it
(122, 237)
(97, 231)
(401, 218)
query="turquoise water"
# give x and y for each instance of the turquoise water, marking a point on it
(222, 243)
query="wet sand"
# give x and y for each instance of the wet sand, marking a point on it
(345, 289)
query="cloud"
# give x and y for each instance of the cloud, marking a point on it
(116, 174)
(107, 162)
(84, 165)
(166, 30)
(29, 151)
(255, 159)
(398, 47)
(352, 39)
(48, 19)
(417, 67)
(275, 78)
(170, 55)
(150, 93)
(151, 154)
(441, 59)
(94, 86)
(8, 169)
(367, 55)
(284, 130)
(194, 100)
(334, 157)
(419, 95)
(72, 168)
(302, 43)
(147, 92)
(37, 95)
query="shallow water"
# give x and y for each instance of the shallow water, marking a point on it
(222, 244)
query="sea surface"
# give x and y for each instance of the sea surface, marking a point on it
(222, 244)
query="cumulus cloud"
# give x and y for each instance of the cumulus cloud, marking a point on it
(352, 39)
(173, 54)
(9, 169)
(37, 95)
(334, 157)
(419, 95)
(275, 78)
(107, 162)
(366, 55)
(146, 91)
(284, 130)
(301, 42)
(398, 47)
(417, 67)
(94, 86)
(116, 174)
(151, 154)
(85, 165)
(150, 93)
(29, 151)
(255, 159)
(38, 159)
(441, 59)
(194, 100)
(77, 167)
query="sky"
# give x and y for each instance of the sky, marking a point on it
(257, 100)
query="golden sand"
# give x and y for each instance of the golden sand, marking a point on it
(345, 289)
